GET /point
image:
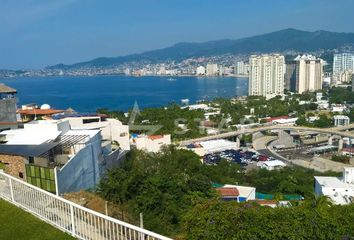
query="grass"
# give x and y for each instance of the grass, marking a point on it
(19, 224)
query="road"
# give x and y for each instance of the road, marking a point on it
(318, 164)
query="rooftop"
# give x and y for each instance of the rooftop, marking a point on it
(77, 115)
(333, 182)
(243, 191)
(228, 192)
(341, 117)
(274, 163)
(6, 89)
(39, 111)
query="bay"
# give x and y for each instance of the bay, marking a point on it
(87, 94)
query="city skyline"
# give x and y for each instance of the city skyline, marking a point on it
(38, 33)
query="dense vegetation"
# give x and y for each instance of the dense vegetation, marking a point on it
(341, 95)
(314, 219)
(18, 224)
(171, 187)
(165, 120)
(323, 121)
(341, 158)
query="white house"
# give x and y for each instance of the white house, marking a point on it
(237, 193)
(151, 143)
(341, 120)
(338, 108)
(339, 190)
(50, 155)
(111, 129)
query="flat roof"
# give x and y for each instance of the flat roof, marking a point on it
(274, 163)
(218, 145)
(333, 182)
(26, 137)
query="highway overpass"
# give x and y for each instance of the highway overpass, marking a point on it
(340, 131)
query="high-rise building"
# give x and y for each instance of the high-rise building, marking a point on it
(240, 68)
(341, 63)
(309, 73)
(212, 69)
(266, 75)
(8, 107)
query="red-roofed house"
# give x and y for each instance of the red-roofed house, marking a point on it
(228, 193)
(237, 193)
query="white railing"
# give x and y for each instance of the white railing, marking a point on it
(78, 221)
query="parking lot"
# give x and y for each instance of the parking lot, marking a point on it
(243, 158)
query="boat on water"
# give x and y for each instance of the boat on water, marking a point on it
(185, 100)
(171, 79)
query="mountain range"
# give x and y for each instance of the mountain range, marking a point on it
(279, 41)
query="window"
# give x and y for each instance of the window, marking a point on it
(31, 160)
(20, 174)
(90, 120)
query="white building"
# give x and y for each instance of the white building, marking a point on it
(266, 75)
(341, 120)
(341, 63)
(212, 69)
(339, 108)
(200, 71)
(241, 68)
(309, 73)
(50, 155)
(285, 122)
(152, 143)
(271, 165)
(111, 129)
(244, 193)
(339, 190)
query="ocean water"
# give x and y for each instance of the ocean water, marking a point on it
(87, 94)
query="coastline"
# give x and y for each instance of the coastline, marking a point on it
(124, 75)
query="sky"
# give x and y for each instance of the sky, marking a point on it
(39, 33)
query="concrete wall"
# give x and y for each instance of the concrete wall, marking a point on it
(8, 110)
(83, 170)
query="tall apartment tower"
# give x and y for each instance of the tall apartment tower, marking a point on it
(266, 75)
(240, 68)
(342, 63)
(212, 69)
(8, 107)
(309, 73)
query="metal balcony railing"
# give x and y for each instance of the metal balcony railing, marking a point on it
(78, 221)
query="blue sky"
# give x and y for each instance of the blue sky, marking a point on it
(36, 33)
